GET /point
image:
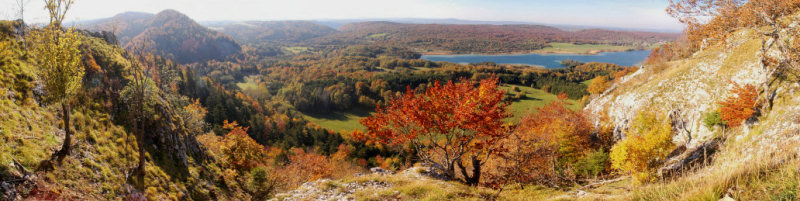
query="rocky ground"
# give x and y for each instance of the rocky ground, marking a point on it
(326, 189)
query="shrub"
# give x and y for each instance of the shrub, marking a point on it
(712, 119)
(261, 184)
(648, 142)
(598, 85)
(735, 109)
(593, 163)
(545, 145)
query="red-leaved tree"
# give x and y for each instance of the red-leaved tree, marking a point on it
(451, 125)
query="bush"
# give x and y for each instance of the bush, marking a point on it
(261, 184)
(648, 142)
(736, 109)
(593, 163)
(598, 85)
(712, 119)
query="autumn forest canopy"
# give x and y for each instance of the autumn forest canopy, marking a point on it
(144, 106)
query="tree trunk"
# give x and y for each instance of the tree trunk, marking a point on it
(141, 153)
(140, 172)
(476, 171)
(473, 180)
(65, 148)
(451, 170)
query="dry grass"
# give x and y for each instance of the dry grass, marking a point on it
(771, 176)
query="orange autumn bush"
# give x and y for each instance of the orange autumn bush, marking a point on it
(545, 145)
(737, 108)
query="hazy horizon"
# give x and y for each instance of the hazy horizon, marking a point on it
(627, 14)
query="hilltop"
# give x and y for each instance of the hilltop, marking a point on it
(169, 33)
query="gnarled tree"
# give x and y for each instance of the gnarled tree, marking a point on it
(451, 125)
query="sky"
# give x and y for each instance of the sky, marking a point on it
(639, 14)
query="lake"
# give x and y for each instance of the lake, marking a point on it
(629, 58)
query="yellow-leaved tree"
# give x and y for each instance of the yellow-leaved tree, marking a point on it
(648, 143)
(598, 85)
(58, 57)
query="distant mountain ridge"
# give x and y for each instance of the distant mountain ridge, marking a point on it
(274, 32)
(485, 38)
(336, 23)
(195, 42)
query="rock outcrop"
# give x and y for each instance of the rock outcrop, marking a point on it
(686, 89)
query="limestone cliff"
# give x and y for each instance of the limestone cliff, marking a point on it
(686, 89)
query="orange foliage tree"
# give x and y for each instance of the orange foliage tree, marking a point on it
(735, 109)
(455, 124)
(239, 150)
(545, 143)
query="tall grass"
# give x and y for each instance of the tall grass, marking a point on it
(772, 176)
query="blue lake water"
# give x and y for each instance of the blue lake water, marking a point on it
(629, 58)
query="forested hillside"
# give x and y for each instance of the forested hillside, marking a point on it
(485, 38)
(169, 33)
(177, 37)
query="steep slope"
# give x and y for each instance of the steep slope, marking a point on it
(104, 155)
(275, 32)
(685, 89)
(180, 38)
(749, 162)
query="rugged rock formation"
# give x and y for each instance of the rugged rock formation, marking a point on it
(687, 89)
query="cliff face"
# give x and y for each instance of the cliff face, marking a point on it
(687, 89)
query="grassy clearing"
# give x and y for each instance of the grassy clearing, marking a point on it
(583, 49)
(379, 35)
(535, 98)
(296, 49)
(340, 121)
